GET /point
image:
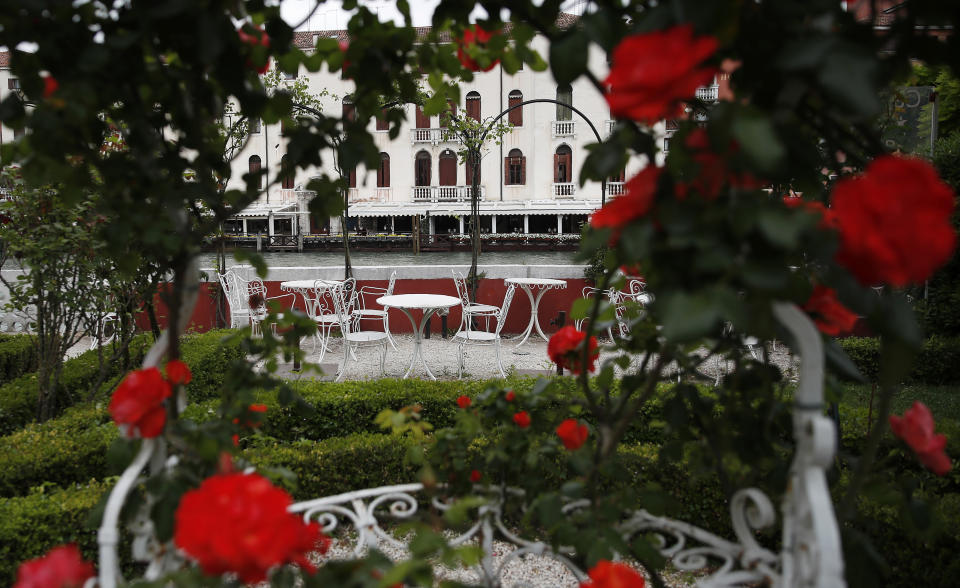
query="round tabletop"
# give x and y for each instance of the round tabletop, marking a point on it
(418, 301)
(537, 282)
(304, 284)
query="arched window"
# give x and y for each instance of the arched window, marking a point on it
(563, 165)
(383, 171)
(448, 168)
(286, 181)
(473, 105)
(349, 110)
(423, 121)
(421, 169)
(515, 168)
(564, 95)
(516, 115)
(253, 166)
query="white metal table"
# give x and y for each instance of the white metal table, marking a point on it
(305, 289)
(541, 285)
(429, 304)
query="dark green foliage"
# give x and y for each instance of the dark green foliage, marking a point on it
(18, 398)
(935, 364)
(32, 525)
(209, 355)
(17, 356)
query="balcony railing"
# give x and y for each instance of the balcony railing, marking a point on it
(614, 188)
(564, 190)
(287, 196)
(443, 193)
(434, 136)
(564, 128)
(708, 93)
(384, 194)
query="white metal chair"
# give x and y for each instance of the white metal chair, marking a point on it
(364, 312)
(235, 290)
(470, 337)
(353, 338)
(106, 330)
(471, 310)
(322, 310)
(257, 304)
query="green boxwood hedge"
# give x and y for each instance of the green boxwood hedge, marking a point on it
(18, 398)
(17, 356)
(32, 525)
(934, 364)
(209, 355)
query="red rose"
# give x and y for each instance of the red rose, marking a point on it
(474, 37)
(475, 476)
(635, 202)
(827, 220)
(509, 397)
(178, 372)
(343, 49)
(563, 349)
(50, 85)
(607, 574)
(831, 317)
(894, 221)
(522, 419)
(239, 523)
(61, 567)
(653, 73)
(258, 38)
(258, 408)
(572, 435)
(138, 402)
(463, 402)
(916, 427)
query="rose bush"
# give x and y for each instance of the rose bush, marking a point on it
(138, 402)
(565, 349)
(61, 567)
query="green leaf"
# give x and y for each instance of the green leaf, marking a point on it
(687, 316)
(759, 141)
(568, 57)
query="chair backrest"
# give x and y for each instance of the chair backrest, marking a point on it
(460, 283)
(392, 282)
(340, 294)
(321, 303)
(256, 298)
(505, 308)
(636, 287)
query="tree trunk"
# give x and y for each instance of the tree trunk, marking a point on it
(473, 279)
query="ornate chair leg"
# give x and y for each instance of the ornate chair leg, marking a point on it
(386, 329)
(461, 352)
(503, 374)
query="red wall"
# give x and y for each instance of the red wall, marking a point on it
(491, 291)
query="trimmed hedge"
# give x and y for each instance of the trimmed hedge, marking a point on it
(18, 356)
(18, 399)
(209, 356)
(32, 525)
(935, 363)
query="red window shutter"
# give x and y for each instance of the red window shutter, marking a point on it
(382, 123)
(506, 170)
(349, 111)
(452, 113)
(473, 108)
(386, 173)
(556, 167)
(523, 170)
(516, 115)
(448, 170)
(423, 121)
(352, 178)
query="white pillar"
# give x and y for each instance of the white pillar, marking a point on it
(559, 224)
(270, 224)
(432, 226)
(244, 226)
(526, 224)
(461, 224)
(493, 223)
(392, 225)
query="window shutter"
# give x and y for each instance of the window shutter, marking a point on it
(506, 170)
(352, 178)
(556, 168)
(423, 121)
(382, 123)
(523, 170)
(386, 173)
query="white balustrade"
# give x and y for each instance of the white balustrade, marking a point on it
(384, 194)
(287, 196)
(564, 128)
(564, 190)
(444, 193)
(708, 93)
(614, 188)
(434, 136)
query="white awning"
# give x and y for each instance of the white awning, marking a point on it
(487, 208)
(264, 210)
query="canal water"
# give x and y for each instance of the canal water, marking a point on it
(398, 258)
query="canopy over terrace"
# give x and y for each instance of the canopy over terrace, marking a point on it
(527, 216)
(278, 218)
